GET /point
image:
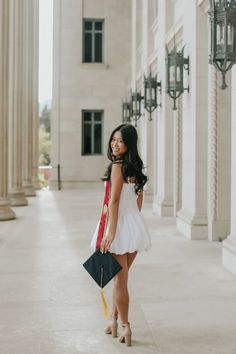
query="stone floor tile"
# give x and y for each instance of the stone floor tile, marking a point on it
(182, 299)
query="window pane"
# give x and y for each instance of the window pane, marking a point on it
(87, 25)
(97, 116)
(98, 47)
(97, 138)
(87, 139)
(88, 47)
(98, 25)
(87, 117)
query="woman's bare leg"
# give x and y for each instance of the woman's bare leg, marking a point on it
(121, 295)
(114, 311)
(130, 259)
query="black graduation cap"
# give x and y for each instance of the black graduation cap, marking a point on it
(102, 267)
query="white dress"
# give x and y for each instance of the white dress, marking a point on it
(131, 231)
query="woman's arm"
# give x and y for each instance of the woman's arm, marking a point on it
(113, 206)
(140, 199)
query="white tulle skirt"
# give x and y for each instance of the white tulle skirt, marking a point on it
(131, 234)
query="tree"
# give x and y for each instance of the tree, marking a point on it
(44, 147)
(45, 118)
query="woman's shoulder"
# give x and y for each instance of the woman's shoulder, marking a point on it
(116, 165)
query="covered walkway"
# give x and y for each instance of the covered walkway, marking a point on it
(182, 300)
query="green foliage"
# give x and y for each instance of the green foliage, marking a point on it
(42, 181)
(45, 138)
(44, 147)
(45, 119)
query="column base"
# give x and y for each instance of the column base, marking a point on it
(17, 199)
(218, 230)
(36, 183)
(194, 228)
(163, 207)
(229, 254)
(29, 191)
(6, 213)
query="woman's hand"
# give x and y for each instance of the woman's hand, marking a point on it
(106, 243)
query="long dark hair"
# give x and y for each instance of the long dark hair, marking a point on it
(132, 165)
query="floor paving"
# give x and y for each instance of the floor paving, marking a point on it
(182, 301)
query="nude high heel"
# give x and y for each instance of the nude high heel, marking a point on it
(112, 327)
(126, 334)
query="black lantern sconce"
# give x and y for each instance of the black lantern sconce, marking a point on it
(135, 103)
(176, 63)
(126, 112)
(223, 36)
(151, 89)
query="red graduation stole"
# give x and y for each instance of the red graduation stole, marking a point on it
(101, 230)
(103, 218)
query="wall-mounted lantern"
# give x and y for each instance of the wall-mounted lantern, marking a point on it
(223, 36)
(151, 89)
(126, 112)
(176, 63)
(136, 99)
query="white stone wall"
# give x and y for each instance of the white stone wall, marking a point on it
(78, 86)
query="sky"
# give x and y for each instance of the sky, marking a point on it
(45, 49)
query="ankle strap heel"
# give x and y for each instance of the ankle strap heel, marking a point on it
(112, 327)
(126, 334)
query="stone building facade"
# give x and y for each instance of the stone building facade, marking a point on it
(193, 159)
(91, 74)
(189, 153)
(18, 104)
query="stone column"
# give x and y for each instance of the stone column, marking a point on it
(146, 127)
(16, 192)
(5, 211)
(177, 153)
(142, 123)
(56, 103)
(34, 97)
(163, 199)
(28, 45)
(219, 162)
(229, 244)
(192, 218)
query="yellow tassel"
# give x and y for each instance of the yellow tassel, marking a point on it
(105, 307)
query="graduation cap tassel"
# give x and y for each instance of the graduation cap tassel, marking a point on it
(105, 306)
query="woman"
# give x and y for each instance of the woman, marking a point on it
(126, 233)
